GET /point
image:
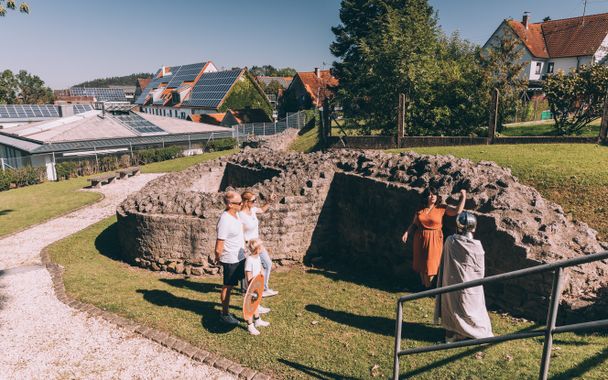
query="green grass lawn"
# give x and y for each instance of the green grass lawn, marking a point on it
(324, 324)
(572, 175)
(307, 141)
(183, 162)
(26, 206)
(545, 128)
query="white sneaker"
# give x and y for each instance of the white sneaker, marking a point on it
(260, 323)
(252, 330)
(269, 293)
(263, 310)
(229, 319)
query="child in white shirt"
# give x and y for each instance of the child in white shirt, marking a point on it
(253, 267)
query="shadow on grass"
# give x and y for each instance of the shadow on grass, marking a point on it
(380, 325)
(315, 373)
(583, 367)
(210, 311)
(107, 243)
(337, 273)
(200, 287)
(450, 359)
(5, 212)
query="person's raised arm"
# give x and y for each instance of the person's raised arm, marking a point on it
(219, 247)
(453, 211)
(266, 206)
(410, 229)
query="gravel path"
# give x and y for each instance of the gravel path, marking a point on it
(40, 337)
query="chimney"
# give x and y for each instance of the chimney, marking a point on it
(66, 110)
(525, 19)
(317, 72)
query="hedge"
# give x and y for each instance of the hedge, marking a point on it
(11, 178)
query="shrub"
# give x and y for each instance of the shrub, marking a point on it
(146, 156)
(21, 177)
(221, 144)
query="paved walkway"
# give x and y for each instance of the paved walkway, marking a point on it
(40, 337)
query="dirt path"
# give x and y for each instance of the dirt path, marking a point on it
(40, 337)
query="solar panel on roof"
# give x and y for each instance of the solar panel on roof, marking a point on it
(28, 111)
(211, 88)
(138, 124)
(101, 94)
(153, 84)
(186, 73)
(82, 108)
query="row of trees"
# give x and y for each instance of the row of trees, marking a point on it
(23, 88)
(126, 80)
(387, 47)
(271, 71)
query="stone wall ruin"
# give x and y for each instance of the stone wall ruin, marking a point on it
(353, 207)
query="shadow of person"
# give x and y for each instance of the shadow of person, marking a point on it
(315, 373)
(209, 311)
(200, 287)
(5, 212)
(380, 325)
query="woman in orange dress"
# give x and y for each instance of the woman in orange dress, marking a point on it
(428, 236)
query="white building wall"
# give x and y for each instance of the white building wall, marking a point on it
(527, 58)
(570, 63)
(602, 51)
(46, 160)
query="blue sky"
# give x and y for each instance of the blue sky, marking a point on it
(69, 41)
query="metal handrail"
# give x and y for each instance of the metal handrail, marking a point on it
(548, 331)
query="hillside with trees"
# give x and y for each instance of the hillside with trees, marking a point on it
(271, 71)
(127, 80)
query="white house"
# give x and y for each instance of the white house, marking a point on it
(556, 45)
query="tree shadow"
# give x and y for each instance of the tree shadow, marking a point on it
(380, 325)
(5, 212)
(583, 367)
(209, 311)
(337, 272)
(107, 243)
(450, 359)
(200, 287)
(315, 373)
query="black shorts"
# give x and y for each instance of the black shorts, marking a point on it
(233, 273)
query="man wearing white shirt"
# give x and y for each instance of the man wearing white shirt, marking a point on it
(230, 250)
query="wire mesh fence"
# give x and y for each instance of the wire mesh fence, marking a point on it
(295, 120)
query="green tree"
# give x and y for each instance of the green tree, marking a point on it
(504, 70)
(12, 5)
(385, 47)
(8, 87)
(32, 89)
(576, 98)
(271, 71)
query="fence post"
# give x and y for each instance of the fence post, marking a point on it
(400, 119)
(604, 126)
(556, 292)
(2, 162)
(96, 160)
(493, 116)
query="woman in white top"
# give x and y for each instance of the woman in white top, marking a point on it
(248, 217)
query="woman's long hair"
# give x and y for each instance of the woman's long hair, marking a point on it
(424, 198)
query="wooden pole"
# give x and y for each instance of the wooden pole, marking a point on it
(400, 119)
(326, 121)
(493, 123)
(604, 125)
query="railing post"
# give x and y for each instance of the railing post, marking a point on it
(398, 325)
(551, 317)
(2, 162)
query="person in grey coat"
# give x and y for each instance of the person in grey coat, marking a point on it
(462, 313)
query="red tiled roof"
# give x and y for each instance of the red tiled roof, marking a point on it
(532, 37)
(570, 37)
(318, 85)
(210, 118)
(143, 82)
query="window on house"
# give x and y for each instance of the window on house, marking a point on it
(539, 66)
(550, 67)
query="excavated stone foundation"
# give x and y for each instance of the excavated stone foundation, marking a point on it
(353, 207)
